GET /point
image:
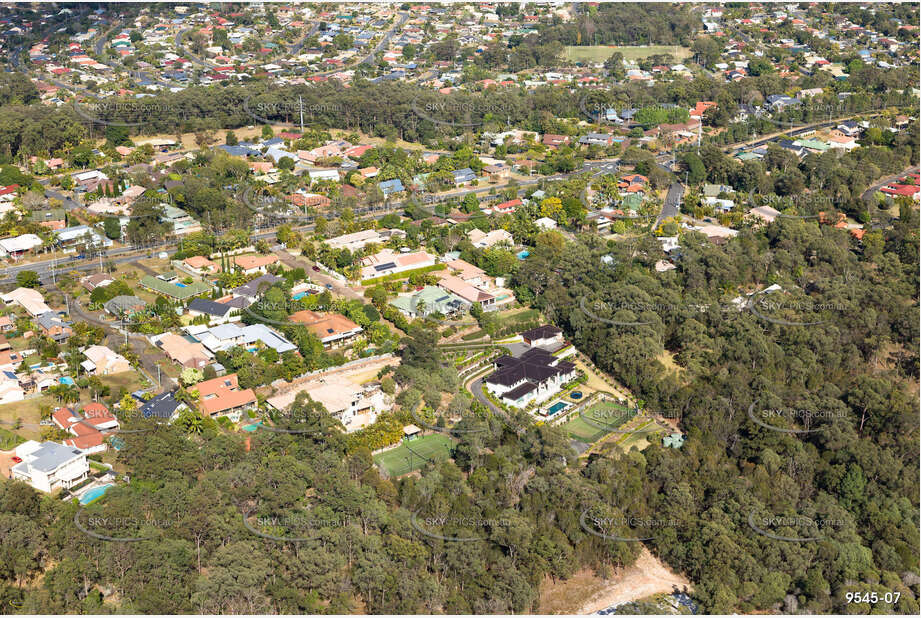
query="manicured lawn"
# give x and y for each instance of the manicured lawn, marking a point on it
(600, 53)
(412, 455)
(604, 414)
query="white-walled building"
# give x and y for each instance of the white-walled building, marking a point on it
(49, 466)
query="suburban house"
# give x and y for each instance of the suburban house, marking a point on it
(471, 294)
(102, 361)
(251, 264)
(91, 282)
(18, 245)
(359, 240)
(354, 406)
(189, 354)
(217, 313)
(507, 208)
(167, 284)
(164, 406)
(463, 177)
(90, 427)
(252, 290)
(53, 327)
(389, 187)
(535, 376)
(547, 337)
(428, 300)
(124, 306)
(332, 329)
(199, 265)
(222, 396)
(225, 336)
(484, 240)
(30, 300)
(49, 466)
(389, 262)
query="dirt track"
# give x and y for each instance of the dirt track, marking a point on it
(648, 576)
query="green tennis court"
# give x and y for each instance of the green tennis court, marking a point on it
(602, 419)
(413, 454)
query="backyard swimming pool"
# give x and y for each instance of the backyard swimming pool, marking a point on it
(94, 494)
(523, 254)
(67, 380)
(576, 394)
(559, 405)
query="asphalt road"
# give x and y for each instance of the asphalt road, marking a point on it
(867, 195)
(148, 354)
(671, 204)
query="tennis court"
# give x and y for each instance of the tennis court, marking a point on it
(602, 418)
(412, 454)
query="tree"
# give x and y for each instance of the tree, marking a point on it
(190, 376)
(231, 139)
(28, 279)
(112, 228)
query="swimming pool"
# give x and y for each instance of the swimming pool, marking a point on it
(576, 394)
(180, 285)
(252, 427)
(523, 254)
(559, 405)
(94, 494)
(301, 295)
(67, 380)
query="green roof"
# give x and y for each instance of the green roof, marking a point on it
(172, 290)
(813, 144)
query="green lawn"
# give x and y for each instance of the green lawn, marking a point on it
(412, 455)
(605, 414)
(600, 53)
(9, 440)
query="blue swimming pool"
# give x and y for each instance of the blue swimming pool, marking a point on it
(180, 285)
(523, 254)
(301, 295)
(94, 494)
(576, 394)
(559, 405)
(251, 427)
(67, 380)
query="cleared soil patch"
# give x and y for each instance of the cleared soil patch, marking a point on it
(647, 577)
(600, 53)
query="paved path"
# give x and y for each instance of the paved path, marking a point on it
(867, 195)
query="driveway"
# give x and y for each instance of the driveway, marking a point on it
(672, 201)
(319, 276)
(867, 195)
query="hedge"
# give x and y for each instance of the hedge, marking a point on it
(403, 275)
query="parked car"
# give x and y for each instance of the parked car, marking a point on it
(16, 459)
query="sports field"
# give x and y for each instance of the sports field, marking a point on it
(600, 53)
(412, 455)
(604, 414)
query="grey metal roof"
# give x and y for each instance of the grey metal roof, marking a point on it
(50, 456)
